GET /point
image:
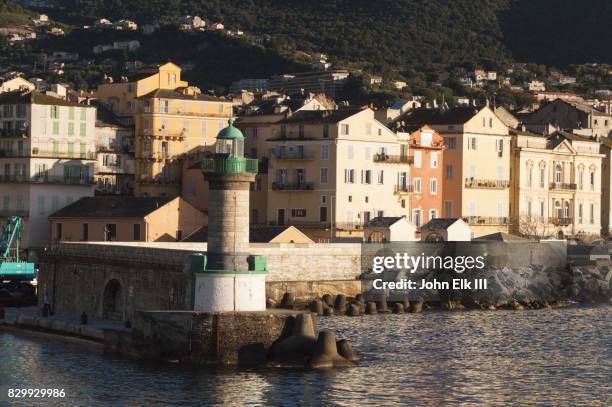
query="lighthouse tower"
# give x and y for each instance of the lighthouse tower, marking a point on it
(227, 278)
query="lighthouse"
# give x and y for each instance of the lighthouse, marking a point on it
(228, 278)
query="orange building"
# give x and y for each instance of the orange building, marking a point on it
(426, 173)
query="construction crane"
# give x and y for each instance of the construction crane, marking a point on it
(11, 267)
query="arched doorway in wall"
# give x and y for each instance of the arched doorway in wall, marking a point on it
(377, 236)
(112, 301)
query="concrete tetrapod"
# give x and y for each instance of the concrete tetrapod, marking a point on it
(300, 343)
(328, 299)
(328, 312)
(340, 303)
(382, 305)
(288, 301)
(353, 310)
(398, 308)
(326, 352)
(316, 306)
(370, 308)
(416, 306)
(345, 349)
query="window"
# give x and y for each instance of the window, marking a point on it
(566, 210)
(403, 203)
(434, 159)
(323, 199)
(323, 214)
(71, 129)
(381, 177)
(54, 112)
(221, 108)
(326, 131)
(351, 152)
(301, 131)
(283, 131)
(349, 176)
(163, 106)
(58, 231)
(542, 177)
(55, 128)
(417, 217)
(368, 177)
(417, 185)
(83, 129)
(41, 204)
(55, 203)
(592, 180)
(323, 178)
(417, 159)
(350, 199)
(298, 213)
(325, 152)
(172, 81)
(433, 186)
(542, 208)
(71, 113)
(85, 232)
(591, 213)
(448, 209)
(580, 213)
(499, 145)
(21, 110)
(529, 209)
(472, 143)
(83, 113)
(344, 129)
(581, 179)
(110, 232)
(451, 143)
(529, 175)
(558, 173)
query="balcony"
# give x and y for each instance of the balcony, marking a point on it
(349, 225)
(46, 179)
(393, 159)
(230, 165)
(403, 189)
(293, 155)
(561, 221)
(56, 154)
(487, 220)
(562, 186)
(293, 186)
(486, 183)
(13, 154)
(5, 213)
(13, 133)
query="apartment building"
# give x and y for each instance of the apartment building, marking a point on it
(171, 120)
(476, 182)
(114, 170)
(47, 158)
(334, 170)
(556, 185)
(424, 188)
(328, 82)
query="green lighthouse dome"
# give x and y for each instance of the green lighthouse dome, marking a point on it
(230, 132)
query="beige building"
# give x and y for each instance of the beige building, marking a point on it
(556, 188)
(476, 182)
(171, 120)
(334, 170)
(126, 219)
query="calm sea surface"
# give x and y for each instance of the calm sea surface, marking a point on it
(548, 357)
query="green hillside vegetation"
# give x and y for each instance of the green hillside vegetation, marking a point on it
(12, 14)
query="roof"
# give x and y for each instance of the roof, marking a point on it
(500, 236)
(291, 235)
(105, 207)
(173, 94)
(320, 116)
(105, 117)
(230, 132)
(455, 115)
(439, 223)
(35, 97)
(383, 221)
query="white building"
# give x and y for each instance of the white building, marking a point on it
(47, 156)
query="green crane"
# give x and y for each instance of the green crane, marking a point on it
(11, 267)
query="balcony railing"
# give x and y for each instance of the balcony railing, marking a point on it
(24, 213)
(487, 220)
(349, 225)
(393, 159)
(293, 186)
(46, 179)
(562, 186)
(230, 165)
(486, 183)
(12, 153)
(58, 154)
(399, 189)
(293, 155)
(13, 133)
(561, 221)
(294, 222)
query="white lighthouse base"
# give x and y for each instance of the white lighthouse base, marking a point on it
(229, 292)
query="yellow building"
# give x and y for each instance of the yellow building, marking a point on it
(171, 120)
(556, 188)
(476, 184)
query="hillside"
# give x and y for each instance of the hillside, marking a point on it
(397, 34)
